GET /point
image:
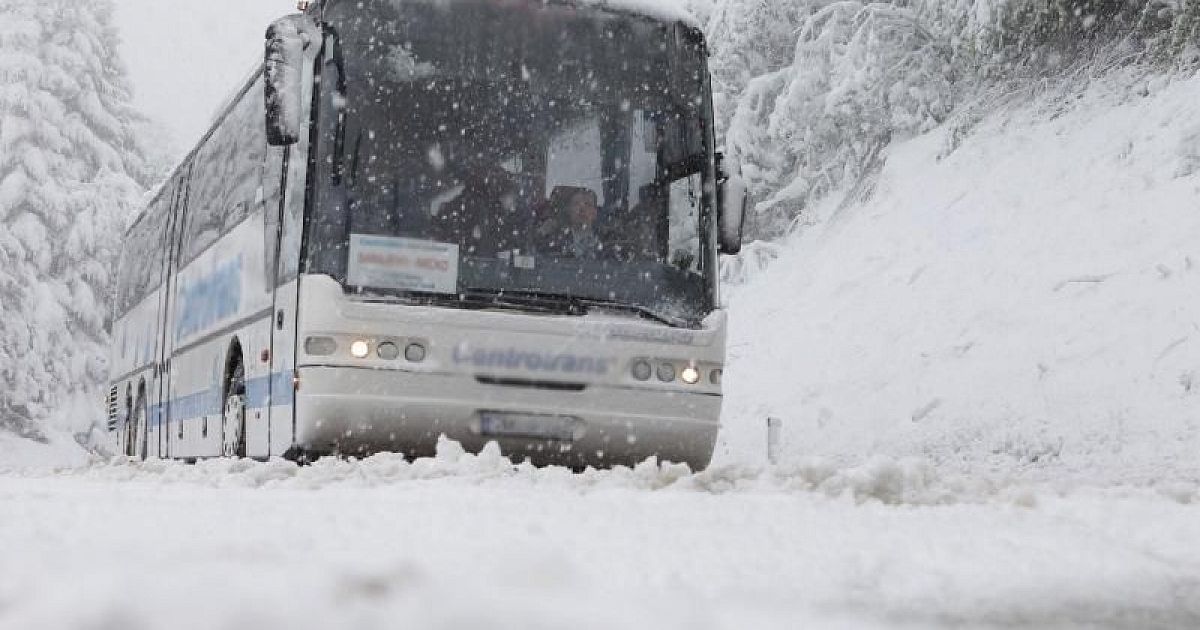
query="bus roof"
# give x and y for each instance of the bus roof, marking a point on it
(662, 10)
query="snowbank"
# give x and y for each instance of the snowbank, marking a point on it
(464, 541)
(882, 480)
(58, 451)
(1020, 295)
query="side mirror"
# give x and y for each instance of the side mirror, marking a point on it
(734, 203)
(283, 69)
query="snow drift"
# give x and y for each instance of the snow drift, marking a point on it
(463, 541)
(1020, 293)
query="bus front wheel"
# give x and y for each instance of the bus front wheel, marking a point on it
(233, 425)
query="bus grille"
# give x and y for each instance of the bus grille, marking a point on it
(112, 409)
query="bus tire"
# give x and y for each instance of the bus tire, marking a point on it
(127, 425)
(301, 456)
(233, 419)
(139, 431)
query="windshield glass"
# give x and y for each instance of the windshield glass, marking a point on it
(512, 149)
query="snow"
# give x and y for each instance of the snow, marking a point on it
(56, 450)
(469, 541)
(1018, 297)
(988, 375)
(70, 168)
(666, 10)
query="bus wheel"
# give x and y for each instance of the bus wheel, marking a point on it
(139, 432)
(233, 425)
(127, 430)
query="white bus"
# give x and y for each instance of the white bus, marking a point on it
(492, 220)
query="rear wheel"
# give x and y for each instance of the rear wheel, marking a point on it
(233, 425)
(138, 429)
(127, 430)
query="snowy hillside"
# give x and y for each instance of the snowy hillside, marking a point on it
(1027, 301)
(57, 450)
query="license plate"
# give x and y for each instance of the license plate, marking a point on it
(559, 428)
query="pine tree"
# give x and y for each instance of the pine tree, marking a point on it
(860, 75)
(71, 170)
(809, 93)
(750, 38)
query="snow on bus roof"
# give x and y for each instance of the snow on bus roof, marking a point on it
(663, 10)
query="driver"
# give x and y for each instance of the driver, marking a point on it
(571, 229)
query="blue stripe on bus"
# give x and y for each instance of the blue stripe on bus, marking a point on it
(206, 403)
(280, 385)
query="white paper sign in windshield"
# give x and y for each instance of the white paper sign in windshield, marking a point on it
(408, 264)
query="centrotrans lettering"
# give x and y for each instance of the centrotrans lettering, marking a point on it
(514, 359)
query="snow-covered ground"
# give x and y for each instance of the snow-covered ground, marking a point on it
(472, 542)
(989, 376)
(1020, 296)
(58, 450)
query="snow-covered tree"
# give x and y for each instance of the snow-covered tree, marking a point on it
(71, 169)
(861, 73)
(750, 38)
(809, 92)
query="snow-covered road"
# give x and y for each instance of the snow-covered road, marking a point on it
(473, 542)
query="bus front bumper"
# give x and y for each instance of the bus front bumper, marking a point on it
(355, 411)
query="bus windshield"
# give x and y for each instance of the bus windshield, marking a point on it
(513, 149)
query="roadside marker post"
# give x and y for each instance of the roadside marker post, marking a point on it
(774, 437)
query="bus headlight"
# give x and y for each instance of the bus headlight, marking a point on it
(360, 349)
(716, 376)
(320, 346)
(690, 375)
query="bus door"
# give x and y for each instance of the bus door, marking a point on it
(172, 428)
(285, 186)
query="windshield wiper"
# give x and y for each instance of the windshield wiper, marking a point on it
(640, 311)
(480, 299)
(573, 305)
(530, 300)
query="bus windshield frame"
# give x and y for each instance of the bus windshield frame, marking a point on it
(538, 157)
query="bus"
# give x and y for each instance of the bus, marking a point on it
(488, 220)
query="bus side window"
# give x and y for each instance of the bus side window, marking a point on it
(141, 267)
(228, 174)
(684, 223)
(125, 276)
